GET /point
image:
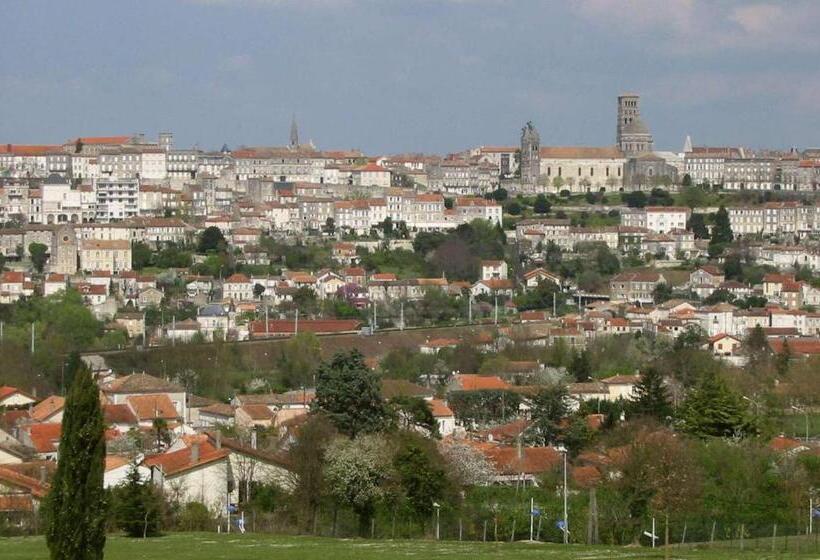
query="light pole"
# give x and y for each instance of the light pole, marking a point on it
(563, 451)
(438, 517)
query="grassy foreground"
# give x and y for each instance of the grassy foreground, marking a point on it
(184, 546)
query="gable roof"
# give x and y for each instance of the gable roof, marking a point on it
(47, 408)
(178, 462)
(142, 383)
(13, 478)
(148, 407)
(118, 414)
(473, 382)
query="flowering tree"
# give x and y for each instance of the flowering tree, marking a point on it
(355, 471)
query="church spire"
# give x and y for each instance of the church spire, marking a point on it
(294, 133)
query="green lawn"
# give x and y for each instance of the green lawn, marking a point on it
(201, 546)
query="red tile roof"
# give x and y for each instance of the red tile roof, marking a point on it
(47, 408)
(287, 326)
(45, 437)
(440, 409)
(180, 461)
(13, 478)
(118, 414)
(472, 382)
(148, 407)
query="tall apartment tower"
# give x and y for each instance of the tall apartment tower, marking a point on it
(530, 155)
(632, 135)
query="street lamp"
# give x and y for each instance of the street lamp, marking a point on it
(563, 451)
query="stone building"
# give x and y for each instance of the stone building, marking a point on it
(530, 155)
(632, 135)
(64, 251)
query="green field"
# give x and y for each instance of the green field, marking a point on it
(201, 546)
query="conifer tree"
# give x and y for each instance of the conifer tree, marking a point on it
(75, 508)
(722, 230)
(138, 506)
(651, 396)
(712, 409)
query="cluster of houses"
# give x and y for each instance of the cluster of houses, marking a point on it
(178, 440)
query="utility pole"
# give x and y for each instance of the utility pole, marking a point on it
(470, 309)
(267, 325)
(566, 521)
(554, 305)
(32, 338)
(401, 304)
(296, 324)
(375, 321)
(496, 309)
(174, 328)
(532, 517)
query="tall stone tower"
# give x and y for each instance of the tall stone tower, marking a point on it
(64, 250)
(530, 155)
(632, 135)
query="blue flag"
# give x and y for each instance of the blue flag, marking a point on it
(815, 512)
(536, 512)
(561, 524)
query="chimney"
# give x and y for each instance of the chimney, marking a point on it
(195, 453)
(218, 439)
(520, 449)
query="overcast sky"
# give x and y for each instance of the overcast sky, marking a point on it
(392, 76)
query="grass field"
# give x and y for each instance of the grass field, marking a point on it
(199, 546)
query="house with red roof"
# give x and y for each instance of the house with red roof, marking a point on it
(49, 409)
(196, 473)
(473, 382)
(11, 397)
(237, 287)
(20, 496)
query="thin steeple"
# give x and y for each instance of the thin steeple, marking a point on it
(294, 133)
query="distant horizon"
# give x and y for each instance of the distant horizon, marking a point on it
(428, 76)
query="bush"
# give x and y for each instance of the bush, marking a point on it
(195, 516)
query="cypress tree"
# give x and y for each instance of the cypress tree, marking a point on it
(651, 396)
(75, 508)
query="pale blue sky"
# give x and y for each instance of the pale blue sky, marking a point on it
(410, 75)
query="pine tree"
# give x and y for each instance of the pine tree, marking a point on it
(349, 393)
(75, 509)
(712, 409)
(138, 506)
(651, 396)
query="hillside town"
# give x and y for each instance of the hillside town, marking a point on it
(514, 308)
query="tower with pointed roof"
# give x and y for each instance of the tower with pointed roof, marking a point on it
(632, 135)
(294, 133)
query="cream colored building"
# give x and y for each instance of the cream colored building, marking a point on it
(581, 169)
(113, 255)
